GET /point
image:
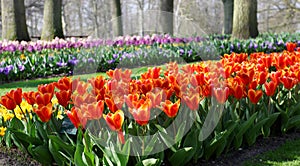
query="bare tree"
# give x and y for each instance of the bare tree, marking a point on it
(116, 17)
(241, 19)
(228, 16)
(52, 22)
(14, 20)
(166, 18)
(253, 27)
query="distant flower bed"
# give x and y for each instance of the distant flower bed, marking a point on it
(157, 117)
(30, 60)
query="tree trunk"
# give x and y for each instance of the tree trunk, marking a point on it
(241, 19)
(253, 20)
(166, 18)
(116, 17)
(14, 20)
(228, 16)
(52, 26)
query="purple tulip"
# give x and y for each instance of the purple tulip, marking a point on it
(61, 64)
(91, 60)
(7, 69)
(21, 67)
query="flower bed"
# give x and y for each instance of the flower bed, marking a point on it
(173, 116)
(19, 61)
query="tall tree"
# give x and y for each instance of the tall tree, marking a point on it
(14, 20)
(228, 16)
(253, 25)
(52, 24)
(116, 17)
(241, 19)
(166, 18)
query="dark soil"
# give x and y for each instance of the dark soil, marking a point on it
(15, 157)
(262, 145)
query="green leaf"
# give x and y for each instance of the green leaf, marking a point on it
(54, 150)
(78, 155)
(182, 156)
(41, 153)
(27, 138)
(16, 124)
(124, 155)
(293, 122)
(180, 132)
(241, 130)
(269, 123)
(252, 134)
(149, 162)
(69, 148)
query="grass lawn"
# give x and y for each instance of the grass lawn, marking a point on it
(286, 154)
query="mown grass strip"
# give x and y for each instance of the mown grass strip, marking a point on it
(286, 154)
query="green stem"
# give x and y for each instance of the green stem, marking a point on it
(23, 113)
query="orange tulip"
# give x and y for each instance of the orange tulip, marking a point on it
(262, 77)
(141, 111)
(64, 83)
(254, 95)
(73, 116)
(111, 105)
(115, 120)
(93, 110)
(12, 99)
(98, 82)
(129, 99)
(7, 102)
(47, 88)
(152, 73)
(238, 91)
(221, 94)
(29, 97)
(43, 99)
(270, 88)
(169, 108)
(156, 97)
(44, 112)
(63, 97)
(192, 98)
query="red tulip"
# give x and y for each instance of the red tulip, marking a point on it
(63, 97)
(221, 94)
(64, 83)
(43, 99)
(29, 97)
(254, 95)
(12, 99)
(74, 115)
(270, 88)
(47, 88)
(111, 105)
(7, 102)
(291, 47)
(288, 82)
